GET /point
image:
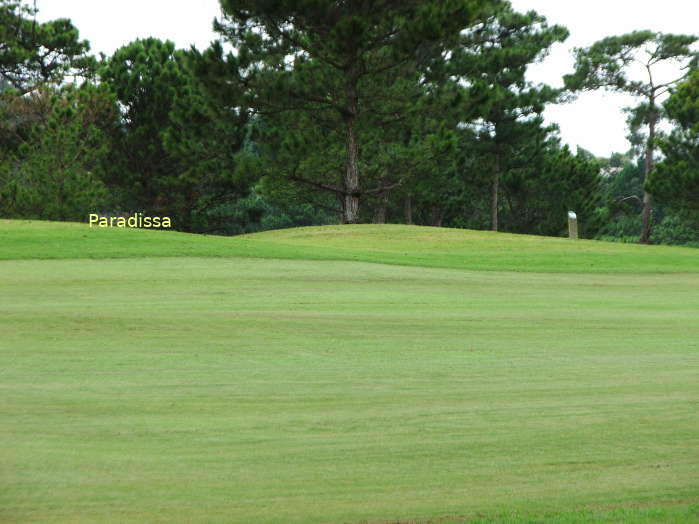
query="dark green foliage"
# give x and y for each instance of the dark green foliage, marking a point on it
(345, 65)
(32, 53)
(420, 111)
(621, 193)
(58, 172)
(145, 77)
(676, 179)
(19, 115)
(53, 142)
(678, 230)
(622, 201)
(540, 182)
(300, 159)
(174, 149)
(492, 61)
(605, 64)
(255, 213)
(539, 195)
(623, 182)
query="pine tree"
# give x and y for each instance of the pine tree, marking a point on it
(32, 53)
(606, 64)
(325, 59)
(492, 61)
(676, 179)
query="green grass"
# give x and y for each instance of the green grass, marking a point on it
(175, 378)
(385, 244)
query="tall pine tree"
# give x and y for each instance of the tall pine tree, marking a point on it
(607, 64)
(326, 58)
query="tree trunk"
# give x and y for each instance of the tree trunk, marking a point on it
(351, 181)
(494, 192)
(380, 211)
(186, 220)
(341, 212)
(646, 218)
(437, 216)
(647, 198)
(408, 210)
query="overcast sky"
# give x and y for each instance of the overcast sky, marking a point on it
(594, 121)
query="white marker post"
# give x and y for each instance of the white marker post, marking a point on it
(572, 225)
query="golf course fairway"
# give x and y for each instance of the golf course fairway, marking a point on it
(345, 374)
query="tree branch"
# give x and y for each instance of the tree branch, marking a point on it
(381, 188)
(315, 184)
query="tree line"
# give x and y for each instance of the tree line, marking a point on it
(307, 112)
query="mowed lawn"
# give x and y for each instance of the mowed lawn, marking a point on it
(219, 384)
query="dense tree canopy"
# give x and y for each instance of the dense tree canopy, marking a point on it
(341, 63)
(492, 60)
(172, 142)
(59, 171)
(312, 112)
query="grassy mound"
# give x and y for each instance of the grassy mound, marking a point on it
(387, 244)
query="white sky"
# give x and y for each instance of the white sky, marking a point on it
(594, 121)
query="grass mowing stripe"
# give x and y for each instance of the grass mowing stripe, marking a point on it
(251, 390)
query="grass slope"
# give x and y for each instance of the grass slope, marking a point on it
(386, 244)
(235, 389)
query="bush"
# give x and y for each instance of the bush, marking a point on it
(252, 214)
(673, 230)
